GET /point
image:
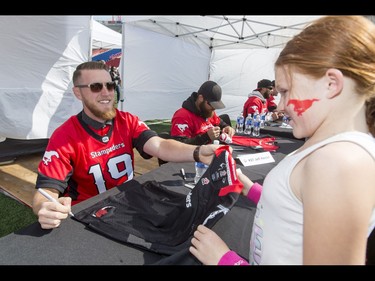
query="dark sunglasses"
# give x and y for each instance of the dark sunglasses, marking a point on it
(97, 87)
(209, 104)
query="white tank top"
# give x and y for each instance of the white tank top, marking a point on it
(277, 229)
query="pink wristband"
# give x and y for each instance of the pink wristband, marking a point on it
(255, 192)
(231, 258)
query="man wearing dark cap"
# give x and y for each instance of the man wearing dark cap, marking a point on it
(196, 122)
(257, 99)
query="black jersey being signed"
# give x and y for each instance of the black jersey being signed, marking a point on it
(152, 216)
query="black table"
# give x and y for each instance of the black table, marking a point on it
(275, 129)
(74, 244)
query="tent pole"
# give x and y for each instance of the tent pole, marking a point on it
(122, 67)
(90, 39)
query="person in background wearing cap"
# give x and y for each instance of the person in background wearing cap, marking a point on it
(258, 100)
(271, 104)
(196, 122)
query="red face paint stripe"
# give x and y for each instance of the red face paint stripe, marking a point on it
(300, 106)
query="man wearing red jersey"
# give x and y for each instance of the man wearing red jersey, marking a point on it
(93, 151)
(196, 122)
(271, 104)
(257, 100)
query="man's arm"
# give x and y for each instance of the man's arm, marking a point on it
(174, 151)
(197, 140)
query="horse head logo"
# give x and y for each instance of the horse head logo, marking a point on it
(182, 127)
(47, 157)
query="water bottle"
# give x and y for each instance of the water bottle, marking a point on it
(269, 118)
(248, 124)
(239, 125)
(285, 121)
(262, 119)
(200, 168)
(256, 124)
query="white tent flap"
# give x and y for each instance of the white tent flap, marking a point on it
(166, 59)
(104, 37)
(39, 55)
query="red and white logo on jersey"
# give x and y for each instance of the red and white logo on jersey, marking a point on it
(106, 210)
(140, 123)
(182, 127)
(47, 157)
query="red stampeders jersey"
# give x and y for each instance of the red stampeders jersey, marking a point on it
(254, 101)
(187, 124)
(81, 166)
(271, 101)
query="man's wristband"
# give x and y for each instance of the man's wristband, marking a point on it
(196, 154)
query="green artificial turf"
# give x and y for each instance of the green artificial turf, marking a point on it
(14, 215)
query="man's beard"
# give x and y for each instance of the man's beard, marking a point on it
(107, 115)
(204, 112)
(266, 94)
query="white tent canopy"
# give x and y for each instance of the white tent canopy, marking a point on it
(230, 32)
(39, 55)
(169, 57)
(104, 37)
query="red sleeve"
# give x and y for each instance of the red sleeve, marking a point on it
(252, 101)
(129, 120)
(181, 125)
(270, 101)
(215, 120)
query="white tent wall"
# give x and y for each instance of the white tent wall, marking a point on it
(238, 71)
(166, 58)
(104, 37)
(160, 72)
(39, 55)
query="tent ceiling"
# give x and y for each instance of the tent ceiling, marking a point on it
(226, 32)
